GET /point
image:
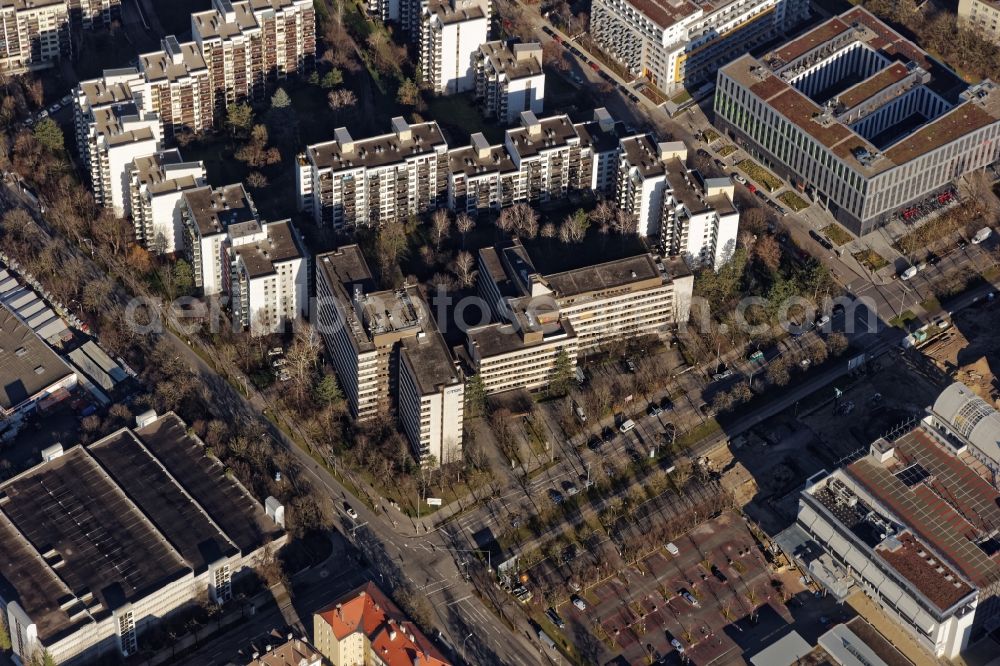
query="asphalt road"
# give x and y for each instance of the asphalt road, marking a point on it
(388, 541)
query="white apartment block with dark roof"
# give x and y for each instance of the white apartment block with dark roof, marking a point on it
(178, 86)
(37, 33)
(509, 80)
(388, 353)
(642, 180)
(268, 279)
(860, 118)
(481, 177)
(681, 42)
(156, 183)
(348, 182)
(550, 156)
(114, 125)
(207, 214)
(699, 222)
(451, 32)
(102, 542)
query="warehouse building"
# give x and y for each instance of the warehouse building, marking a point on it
(102, 541)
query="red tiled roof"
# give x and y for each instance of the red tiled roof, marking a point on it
(395, 639)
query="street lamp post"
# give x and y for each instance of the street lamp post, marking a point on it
(463, 645)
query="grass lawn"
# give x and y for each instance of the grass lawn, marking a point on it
(459, 116)
(837, 234)
(793, 201)
(698, 433)
(931, 304)
(760, 175)
(727, 150)
(871, 259)
(901, 320)
(681, 97)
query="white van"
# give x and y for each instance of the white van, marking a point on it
(909, 273)
(981, 235)
(627, 425)
(672, 549)
(579, 412)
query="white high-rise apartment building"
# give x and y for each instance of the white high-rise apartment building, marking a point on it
(509, 80)
(36, 33)
(700, 221)
(178, 86)
(207, 214)
(550, 156)
(677, 42)
(388, 352)
(347, 183)
(268, 279)
(481, 177)
(33, 34)
(642, 180)
(156, 184)
(114, 126)
(248, 46)
(451, 32)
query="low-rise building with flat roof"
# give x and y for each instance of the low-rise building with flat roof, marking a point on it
(509, 80)
(914, 525)
(30, 370)
(859, 117)
(543, 322)
(103, 541)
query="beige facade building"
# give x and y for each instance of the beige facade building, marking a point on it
(544, 322)
(178, 86)
(550, 156)
(366, 627)
(389, 354)
(983, 16)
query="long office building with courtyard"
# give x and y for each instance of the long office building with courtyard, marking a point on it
(859, 118)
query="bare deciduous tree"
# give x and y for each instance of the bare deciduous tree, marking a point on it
(465, 268)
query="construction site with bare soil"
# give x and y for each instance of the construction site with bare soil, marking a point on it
(967, 348)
